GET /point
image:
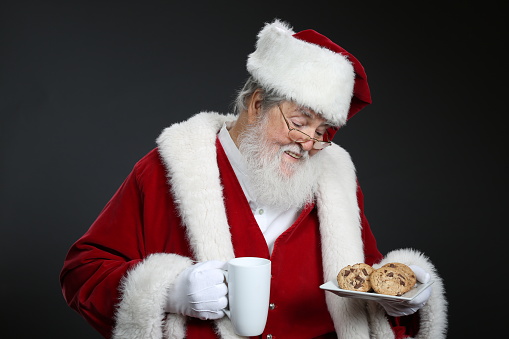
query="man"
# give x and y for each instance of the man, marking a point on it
(268, 183)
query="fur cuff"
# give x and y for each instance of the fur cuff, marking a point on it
(140, 313)
(433, 315)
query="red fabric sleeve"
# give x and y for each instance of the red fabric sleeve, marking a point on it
(371, 253)
(138, 220)
(96, 263)
(403, 327)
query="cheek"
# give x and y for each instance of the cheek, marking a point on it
(278, 136)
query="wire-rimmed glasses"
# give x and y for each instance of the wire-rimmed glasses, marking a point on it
(300, 137)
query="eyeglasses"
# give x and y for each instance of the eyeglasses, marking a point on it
(300, 137)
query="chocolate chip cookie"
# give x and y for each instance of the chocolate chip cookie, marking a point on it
(355, 277)
(407, 270)
(391, 281)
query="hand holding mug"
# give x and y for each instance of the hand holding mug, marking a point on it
(199, 291)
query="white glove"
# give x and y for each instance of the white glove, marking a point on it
(401, 308)
(199, 291)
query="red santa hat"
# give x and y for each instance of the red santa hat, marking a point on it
(310, 69)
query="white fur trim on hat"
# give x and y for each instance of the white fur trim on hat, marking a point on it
(310, 75)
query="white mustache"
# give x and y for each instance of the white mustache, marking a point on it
(294, 149)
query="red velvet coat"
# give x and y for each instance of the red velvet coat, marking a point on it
(117, 274)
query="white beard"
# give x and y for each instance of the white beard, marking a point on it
(274, 181)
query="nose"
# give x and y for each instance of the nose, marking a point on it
(307, 145)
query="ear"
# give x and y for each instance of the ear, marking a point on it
(254, 106)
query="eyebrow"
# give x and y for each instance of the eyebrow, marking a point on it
(306, 111)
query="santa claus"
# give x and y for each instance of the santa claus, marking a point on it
(267, 181)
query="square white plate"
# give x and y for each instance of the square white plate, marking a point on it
(332, 286)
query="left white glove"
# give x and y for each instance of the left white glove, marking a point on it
(199, 291)
(401, 308)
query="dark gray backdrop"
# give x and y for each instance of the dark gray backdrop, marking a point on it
(86, 87)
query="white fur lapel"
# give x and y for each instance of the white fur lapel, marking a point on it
(340, 232)
(338, 211)
(189, 152)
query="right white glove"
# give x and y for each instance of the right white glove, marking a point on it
(199, 291)
(402, 308)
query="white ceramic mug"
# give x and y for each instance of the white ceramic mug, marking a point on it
(248, 294)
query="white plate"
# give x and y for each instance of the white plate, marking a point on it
(332, 286)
